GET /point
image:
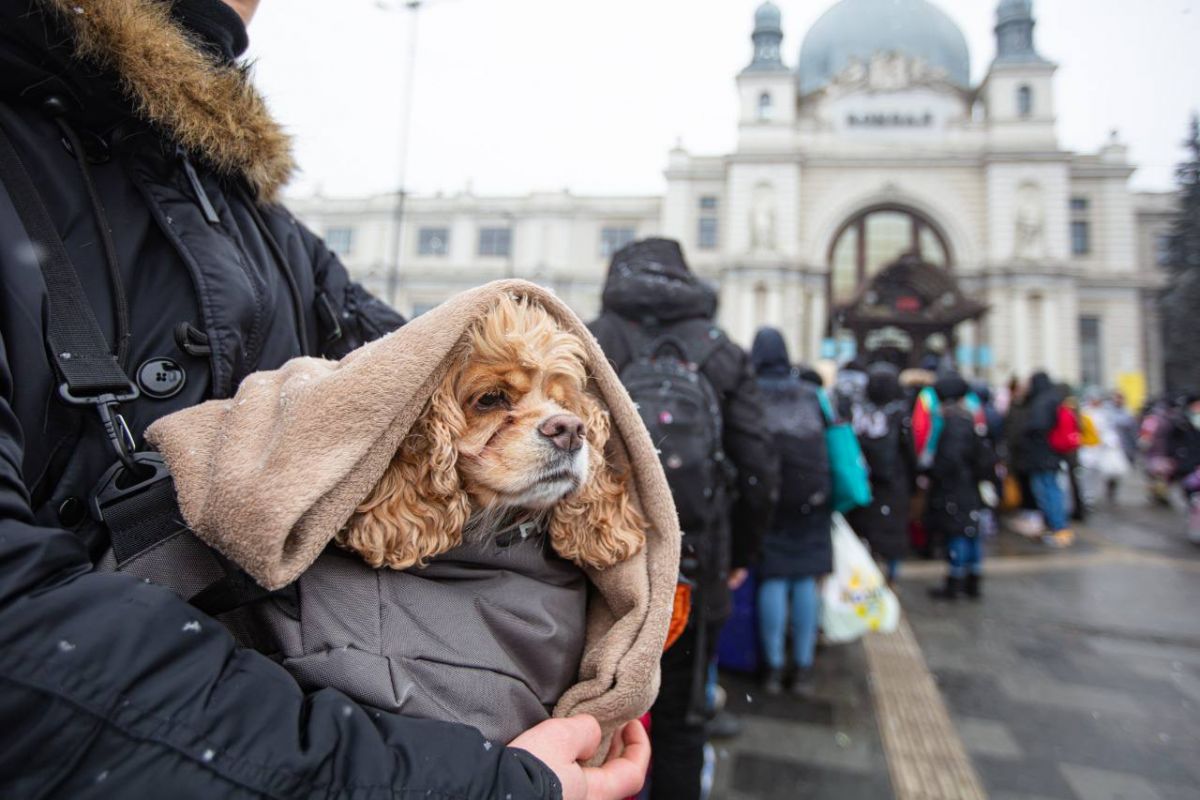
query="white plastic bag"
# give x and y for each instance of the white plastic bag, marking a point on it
(855, 599)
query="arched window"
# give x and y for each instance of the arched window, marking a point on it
(1025, 101)
(765, 108)
(873, 239)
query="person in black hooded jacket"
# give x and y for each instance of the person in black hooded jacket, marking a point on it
(884, 428)
(147, 152)
(954, 507)
(650, 293)
(798, 549)
(1040, 460)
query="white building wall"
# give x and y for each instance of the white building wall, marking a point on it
(1011, 187)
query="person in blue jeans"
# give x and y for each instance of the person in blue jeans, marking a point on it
(1042, 462)
(954, 507)
(798, 547)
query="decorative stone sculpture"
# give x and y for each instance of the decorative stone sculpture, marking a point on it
(1029, 236)
(762, 219)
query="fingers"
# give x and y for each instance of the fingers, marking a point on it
(623, 775)
(637, 745)
(583, 735)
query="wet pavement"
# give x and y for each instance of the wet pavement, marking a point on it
(1077, 677)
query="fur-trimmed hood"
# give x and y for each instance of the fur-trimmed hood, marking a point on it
(136, 55)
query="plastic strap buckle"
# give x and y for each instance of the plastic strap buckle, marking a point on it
(120, 438)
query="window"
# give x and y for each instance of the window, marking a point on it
(708, 203)
(765, 110)
(1162, 250)
(495, 241)
(1081, 238)
(706, 237)
(1025, 101)
(614, 238)
(340, 240)
(433, 241)
(1081, 229)
(1090, 352)
(876, 238)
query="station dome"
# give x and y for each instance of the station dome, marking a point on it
(857, 29)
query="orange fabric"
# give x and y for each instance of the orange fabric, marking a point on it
(680, 611)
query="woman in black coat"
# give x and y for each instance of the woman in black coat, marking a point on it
(884, 428)
(798, 548)
(955, 508)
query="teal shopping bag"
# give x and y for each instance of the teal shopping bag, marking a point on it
(848, 468)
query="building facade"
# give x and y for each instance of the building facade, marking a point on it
(876, 145)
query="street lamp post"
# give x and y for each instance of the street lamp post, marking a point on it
(413, 8)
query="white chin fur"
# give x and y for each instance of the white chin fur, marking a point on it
(546, 494)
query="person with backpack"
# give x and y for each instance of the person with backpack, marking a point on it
(699, 400)
(955, 508)
(1040, 458)
(146, 266)
(884, 429)
(798, 549)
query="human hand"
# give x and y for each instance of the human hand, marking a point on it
(561, 744)
(737, 578)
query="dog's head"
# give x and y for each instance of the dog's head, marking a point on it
(512, 427)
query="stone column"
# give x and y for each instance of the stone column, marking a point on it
(1052, 340)
(816, 322)
(1019, 346)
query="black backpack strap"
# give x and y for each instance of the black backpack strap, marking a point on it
(88, 371)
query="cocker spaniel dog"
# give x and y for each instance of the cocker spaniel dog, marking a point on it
(512, 431)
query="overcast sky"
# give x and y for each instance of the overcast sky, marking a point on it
(515, 96)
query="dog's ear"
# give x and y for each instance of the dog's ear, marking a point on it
(419, 507)
(598, 526)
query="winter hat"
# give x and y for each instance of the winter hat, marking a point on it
(951, 387)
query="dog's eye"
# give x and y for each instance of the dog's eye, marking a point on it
(491, 401)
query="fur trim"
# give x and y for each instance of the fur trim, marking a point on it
(211, 109)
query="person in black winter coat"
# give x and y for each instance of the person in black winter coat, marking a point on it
(884, 428)
(954, 508)
(798, 549)
(155, 163)
(650, 293)
(1040, 461)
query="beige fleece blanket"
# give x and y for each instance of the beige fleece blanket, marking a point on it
(270, 476)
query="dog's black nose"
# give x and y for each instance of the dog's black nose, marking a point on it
(565, 430)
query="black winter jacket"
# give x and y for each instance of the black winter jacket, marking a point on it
(110, 687)
(799, 542)
(884, 427)
(1035, 452)
(665, 297)
(963, 459)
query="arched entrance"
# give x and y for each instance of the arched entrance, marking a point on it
(874, 238)
(906, 314)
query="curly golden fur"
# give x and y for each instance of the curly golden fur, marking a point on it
(481, 451)
(211, 109)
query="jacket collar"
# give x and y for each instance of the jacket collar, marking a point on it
(206, 105)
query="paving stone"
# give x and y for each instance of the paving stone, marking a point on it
(1090, 783)
(987, 737)
(766, 778)
(815, 745)
(1073, 697)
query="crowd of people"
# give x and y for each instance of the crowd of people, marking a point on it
(948, 461)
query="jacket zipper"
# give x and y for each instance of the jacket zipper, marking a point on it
(206, 206)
